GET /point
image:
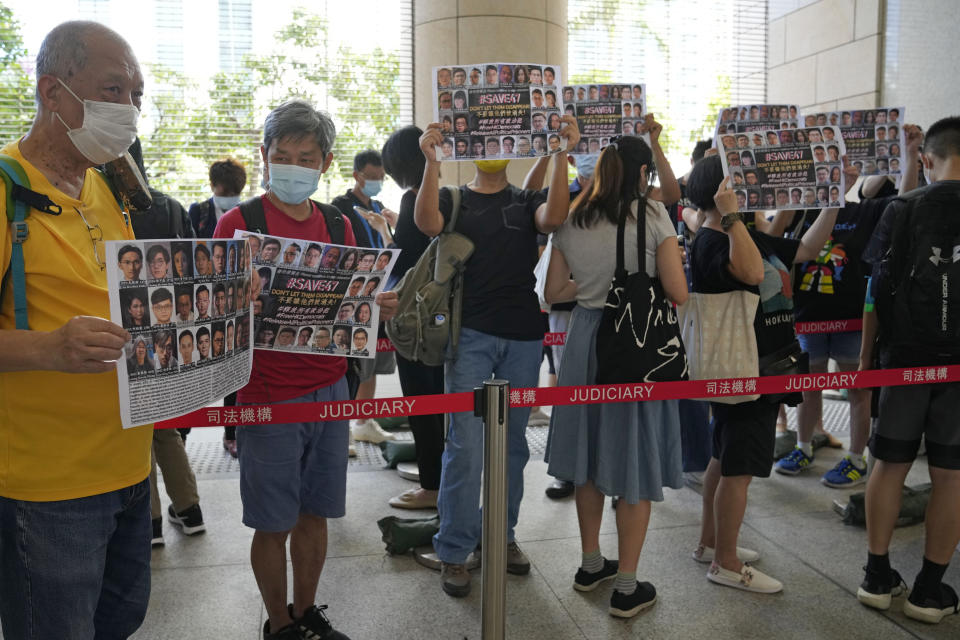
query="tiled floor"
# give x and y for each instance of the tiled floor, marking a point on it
(203, 587)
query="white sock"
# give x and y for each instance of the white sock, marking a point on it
(858, 459)
(806, 447)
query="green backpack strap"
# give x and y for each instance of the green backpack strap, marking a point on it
(13, 174)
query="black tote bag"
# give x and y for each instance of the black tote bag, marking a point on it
(638, 339)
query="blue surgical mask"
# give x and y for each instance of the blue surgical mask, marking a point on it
(586, 165)
(225, 203)
(372, 187)
(293, 184)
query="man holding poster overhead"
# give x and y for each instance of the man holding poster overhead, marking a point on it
(503, 222)
(293, 476)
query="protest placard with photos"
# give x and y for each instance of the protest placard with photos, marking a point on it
(755, 117)
(188, 313)
(604, 110)
(874, 138)
(318, 298)
(496, 110)
(785, 168)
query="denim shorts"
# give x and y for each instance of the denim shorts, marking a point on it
(842, 347)
(289, 469)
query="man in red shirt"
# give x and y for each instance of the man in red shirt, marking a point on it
(293, 476)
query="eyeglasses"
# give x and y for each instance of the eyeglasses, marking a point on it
(94, 239)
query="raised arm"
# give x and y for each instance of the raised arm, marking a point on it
(552, 214)
(746, 263)
(669, 190)
(913, 136)
(812, 242)
(426, 211)
(537, 173)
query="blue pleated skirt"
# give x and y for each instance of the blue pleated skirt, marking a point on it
(627, 449)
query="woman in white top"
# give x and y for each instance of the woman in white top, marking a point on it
(629, 449)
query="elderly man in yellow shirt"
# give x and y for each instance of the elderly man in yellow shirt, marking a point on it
(74, 497)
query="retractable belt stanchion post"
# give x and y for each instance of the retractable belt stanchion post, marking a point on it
(491, 402)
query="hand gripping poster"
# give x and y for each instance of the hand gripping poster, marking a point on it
(497, 110)
(317, 298)
(605, 110)
(874, 138)
(785, 168)
(186, 304)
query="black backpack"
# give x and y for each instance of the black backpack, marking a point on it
(256, 220)
(920, 313)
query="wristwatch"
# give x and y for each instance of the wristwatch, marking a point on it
(729, 219)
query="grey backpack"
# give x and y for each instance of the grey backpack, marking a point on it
(430, 293)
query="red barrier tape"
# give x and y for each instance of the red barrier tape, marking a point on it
(556, 396)
(829, 326)
(821, 326)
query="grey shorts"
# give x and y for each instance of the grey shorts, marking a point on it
(384, 363)
(910, 413)
(289, 469)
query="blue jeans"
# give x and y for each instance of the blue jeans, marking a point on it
(478, 356)
(75, 569)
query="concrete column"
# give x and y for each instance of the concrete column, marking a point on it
(447, 32)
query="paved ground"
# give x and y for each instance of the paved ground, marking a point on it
(203, 587)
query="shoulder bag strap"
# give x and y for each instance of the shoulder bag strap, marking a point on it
(254, 218)
(455, 197)
(334, 219)
(13, 176)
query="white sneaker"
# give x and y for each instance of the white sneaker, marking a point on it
(369, 431)
(748, 579)
(705, 554)
(351, 447)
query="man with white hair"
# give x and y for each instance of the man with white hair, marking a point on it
(74, 497)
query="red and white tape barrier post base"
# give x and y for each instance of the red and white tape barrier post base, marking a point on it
(555, 396)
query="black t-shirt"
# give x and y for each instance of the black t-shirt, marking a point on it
(364, 234)
(498, 282)
(709, 259)
(408, 238)
(833, 286)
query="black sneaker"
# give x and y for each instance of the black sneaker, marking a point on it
(559, 489)
(931, 607)
(627, 606)
(313, 624)
(877, 590)
(584, 581)
(157, 540)
(289, 632)
(190, 520)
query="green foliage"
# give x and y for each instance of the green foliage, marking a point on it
(16, 96)
(719, 99)
(186, 125)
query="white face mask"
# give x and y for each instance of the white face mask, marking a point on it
(292, 183)
(225, 203)
(108, 129)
